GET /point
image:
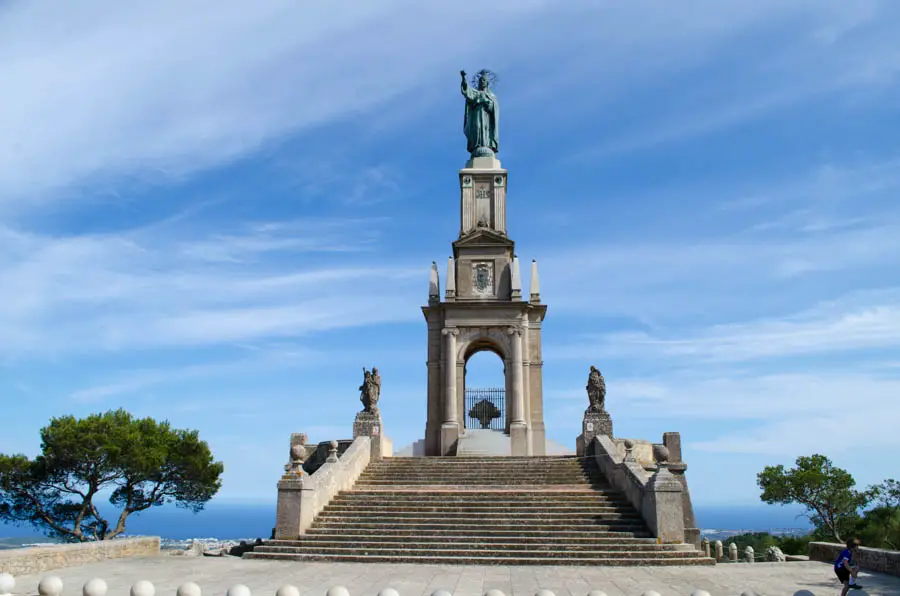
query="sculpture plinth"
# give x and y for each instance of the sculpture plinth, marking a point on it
(368, 424)
(593, 425)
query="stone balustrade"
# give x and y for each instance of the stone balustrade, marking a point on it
(53, 586)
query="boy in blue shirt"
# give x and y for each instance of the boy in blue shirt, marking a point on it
(845, 568)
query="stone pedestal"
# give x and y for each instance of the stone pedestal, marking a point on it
(449, 438)
(593, 424)
(518, 439)
(368, 424)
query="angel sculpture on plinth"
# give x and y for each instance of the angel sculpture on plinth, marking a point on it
(370, 390)
(596, 390)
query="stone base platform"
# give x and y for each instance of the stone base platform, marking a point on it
(215, 576)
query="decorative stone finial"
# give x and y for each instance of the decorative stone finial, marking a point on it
(516, 280)
(434, 284)
(189, 589)
(337, 591)
(749, 555)
(287, 590)
(450, 292)
(535, 283)
(332, 452)
(94, 587)
(704, 544)
(720, 550)
(238, 590)
(661, 455)
(629, 450)
(143, 588)
(50, 586)
(7, 584)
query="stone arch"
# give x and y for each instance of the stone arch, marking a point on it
(484, 339)
(477, 339)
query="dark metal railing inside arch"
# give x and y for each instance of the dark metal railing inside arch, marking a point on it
(486, 408)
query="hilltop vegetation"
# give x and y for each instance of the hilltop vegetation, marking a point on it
(835, 507)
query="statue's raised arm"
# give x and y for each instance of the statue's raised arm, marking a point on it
(482, 116)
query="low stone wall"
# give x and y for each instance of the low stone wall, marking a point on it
(29, 561)
(870, 559)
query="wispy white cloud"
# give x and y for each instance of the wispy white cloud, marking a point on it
(832, 48)
(865, 321)
(132, 289)
(161, 93)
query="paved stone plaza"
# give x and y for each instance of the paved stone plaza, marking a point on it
(215, 576)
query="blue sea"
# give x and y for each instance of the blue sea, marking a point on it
(231, 521)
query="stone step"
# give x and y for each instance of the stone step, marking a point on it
(479, 478)
(445, 481)
(481, 542)
(517, 533)
(514, 459)
(469, 509)
(622, 559)
(468, 551)
(413, 499)
(486, 516)
(471, 495)
(421, 525)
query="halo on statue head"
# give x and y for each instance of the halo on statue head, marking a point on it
(489, 74)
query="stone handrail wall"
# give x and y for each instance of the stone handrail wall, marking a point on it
(300, 500)
(658, 497)
(28, 561)
(870, 559)
(53, 586)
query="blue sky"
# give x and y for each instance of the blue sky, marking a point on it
(218, 214)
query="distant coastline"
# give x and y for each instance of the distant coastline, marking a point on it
(232, 522)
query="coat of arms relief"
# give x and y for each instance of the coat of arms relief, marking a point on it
(483, 278)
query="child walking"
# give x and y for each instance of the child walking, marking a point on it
(846, 567)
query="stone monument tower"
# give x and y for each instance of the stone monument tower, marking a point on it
(483, 307)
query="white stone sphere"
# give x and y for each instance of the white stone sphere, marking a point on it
(441, 592)
(7, 583)
(494, 592)
(95, 587)
(337, 591)
(748, 593)
(699, 593)
(50, 586)
(544, 593)
(189, 589)
(803, 593)
(238, 590)
(287, 590)
(388, 592)
(596, 593)
(651, 593)
(142, 588)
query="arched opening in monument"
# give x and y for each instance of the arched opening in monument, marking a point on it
(484, 384)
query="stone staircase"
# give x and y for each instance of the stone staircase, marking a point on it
(554, 510)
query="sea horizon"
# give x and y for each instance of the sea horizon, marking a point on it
(234, 521)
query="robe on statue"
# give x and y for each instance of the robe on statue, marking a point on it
(480, 122)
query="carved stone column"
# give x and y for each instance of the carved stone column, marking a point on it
(517, 428)
(450, 425)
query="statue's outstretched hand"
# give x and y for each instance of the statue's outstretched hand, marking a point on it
(462, 73)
